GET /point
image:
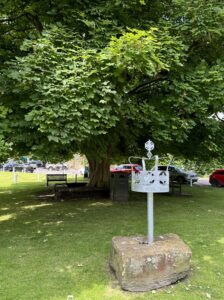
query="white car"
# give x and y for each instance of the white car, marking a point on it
(180, 175)
(56, 167)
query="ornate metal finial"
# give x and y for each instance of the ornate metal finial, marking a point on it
(149, 145)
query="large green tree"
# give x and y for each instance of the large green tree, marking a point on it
(101, 77)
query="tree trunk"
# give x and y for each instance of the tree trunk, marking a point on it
(99, 173)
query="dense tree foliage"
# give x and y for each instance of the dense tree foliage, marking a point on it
(100, 77)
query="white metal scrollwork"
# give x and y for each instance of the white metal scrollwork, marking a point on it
(150, 181)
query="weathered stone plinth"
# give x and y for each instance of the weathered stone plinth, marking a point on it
(142, 267)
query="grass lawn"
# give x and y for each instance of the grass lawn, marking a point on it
(49, 250)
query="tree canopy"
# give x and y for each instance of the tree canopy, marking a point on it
(102, 77)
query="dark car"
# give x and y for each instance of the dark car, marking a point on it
(9, 166)
(127, 168)
(217, 178)
(180, 175)
(28, 168)
(18, 167)
(36, 164)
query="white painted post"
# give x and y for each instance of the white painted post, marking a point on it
(150, 217)
(143, 165)
(38, 177)
(191, 182)
(14, 175)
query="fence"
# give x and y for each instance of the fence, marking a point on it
(8, 178)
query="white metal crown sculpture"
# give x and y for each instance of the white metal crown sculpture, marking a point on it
(152, 181)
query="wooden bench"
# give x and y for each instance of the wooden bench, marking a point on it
(175, 186)
(56, 178)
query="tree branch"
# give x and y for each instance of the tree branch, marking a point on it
(143, 87)
(18, 30)
(32, 18)
(12, 18)
(216, 114)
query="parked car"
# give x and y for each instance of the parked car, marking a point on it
(28, 168)
(56, 167)
(10, 165)
(127, 168)
(180, 175)
(17, 166)
(217, 178)
(35, 163)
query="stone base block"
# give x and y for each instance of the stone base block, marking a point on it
(142, 267)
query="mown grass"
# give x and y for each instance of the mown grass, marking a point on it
(49, 250)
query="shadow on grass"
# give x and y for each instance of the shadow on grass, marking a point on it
(51, 249)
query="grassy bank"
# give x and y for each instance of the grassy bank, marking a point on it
(49, 250)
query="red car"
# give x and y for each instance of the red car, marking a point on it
(127, 168)
(217, 178)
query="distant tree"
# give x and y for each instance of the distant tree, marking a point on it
(102, 77)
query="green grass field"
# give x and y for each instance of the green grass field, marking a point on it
(49, 250)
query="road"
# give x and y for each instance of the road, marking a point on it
(202, 182)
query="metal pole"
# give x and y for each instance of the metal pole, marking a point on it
(150, 217)
(191, 182)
